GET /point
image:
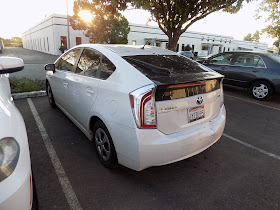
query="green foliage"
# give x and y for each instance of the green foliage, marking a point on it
(272, 8)
(13, 42)
(188, 48)
(21, 85)
(254, 38)
(248, 37)
(107, 25)
(176, 16)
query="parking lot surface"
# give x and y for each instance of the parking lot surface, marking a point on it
(240, 171)
(34, 62)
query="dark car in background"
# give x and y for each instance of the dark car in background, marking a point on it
(257, 71)
(188, 54)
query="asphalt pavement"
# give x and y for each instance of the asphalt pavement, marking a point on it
(240, 171)
(34, 62)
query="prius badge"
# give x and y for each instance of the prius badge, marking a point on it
(199, 100)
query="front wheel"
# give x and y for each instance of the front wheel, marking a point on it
(261, 90)
(50, 95)
(104, 145)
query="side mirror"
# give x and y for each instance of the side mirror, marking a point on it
(50, 67)
(10, 65)
(206, 61)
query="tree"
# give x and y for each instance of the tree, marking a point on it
(107, 25)
(174, 17)
(256, 36)
(273, 8)
(248, 37)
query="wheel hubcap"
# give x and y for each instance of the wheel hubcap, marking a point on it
(260, 91)
(102, 144)
(50, 94)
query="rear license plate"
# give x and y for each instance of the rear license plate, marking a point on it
(196, 113)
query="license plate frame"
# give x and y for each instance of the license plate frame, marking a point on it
(196, 113)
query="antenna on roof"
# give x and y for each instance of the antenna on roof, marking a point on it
(145, 45)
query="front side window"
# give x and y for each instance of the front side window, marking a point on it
(224, 59)
(67, 61)
(249, 60)
(89, 63)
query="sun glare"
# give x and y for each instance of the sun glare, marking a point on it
(85, 15)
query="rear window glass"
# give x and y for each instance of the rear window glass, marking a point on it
(163, 65)
(275, 58)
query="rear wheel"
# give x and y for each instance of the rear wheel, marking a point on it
(50, 95)
(104, 145)
(261, 90)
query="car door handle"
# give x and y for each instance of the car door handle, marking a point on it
(65, 84)
(223, 68)
(255, 70)
(89, 91)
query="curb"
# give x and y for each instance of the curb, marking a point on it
(29, 94)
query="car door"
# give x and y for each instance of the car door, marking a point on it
(85, 86)
(60, 80)
(246, 68)
(221, 63)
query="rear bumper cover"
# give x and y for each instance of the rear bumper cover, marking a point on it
(153, 148)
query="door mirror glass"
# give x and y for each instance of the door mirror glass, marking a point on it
(49, 67)
(10, 65)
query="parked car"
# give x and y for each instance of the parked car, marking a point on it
(188, 54)
(257, 71)
(1, 46)
(16, 188)
(141, 107)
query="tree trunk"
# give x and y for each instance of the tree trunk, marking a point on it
(279, 46)
(172, 41)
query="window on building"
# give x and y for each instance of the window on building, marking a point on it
(134, 42)
(183, 47)
(78, 40)
(67, 61)
(229, 49)
(89, 63)
(193, 48)
(177, 48)
(48, 44)
(204, 47)
(166, 45)
(63, 42)
(158, 44)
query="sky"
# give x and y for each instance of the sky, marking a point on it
(17, 16)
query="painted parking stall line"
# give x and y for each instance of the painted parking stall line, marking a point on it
(242, 99)
(62, 177)
(251, 146)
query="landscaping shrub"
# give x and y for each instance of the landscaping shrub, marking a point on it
(21, 85)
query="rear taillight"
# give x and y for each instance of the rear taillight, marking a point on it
(144, 107)
(222, 93)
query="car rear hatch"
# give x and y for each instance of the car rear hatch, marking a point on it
(187, 93)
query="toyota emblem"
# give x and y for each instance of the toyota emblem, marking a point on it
(199, 100)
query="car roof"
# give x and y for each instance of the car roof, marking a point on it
(131, 50)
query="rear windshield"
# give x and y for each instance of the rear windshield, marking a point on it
(275, 58)
(164, 65)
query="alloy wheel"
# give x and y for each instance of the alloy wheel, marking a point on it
(102, 144)
(260, 91)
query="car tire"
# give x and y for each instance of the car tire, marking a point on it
(261, 90)
(104, 145)
(35, 204)
(50, 95)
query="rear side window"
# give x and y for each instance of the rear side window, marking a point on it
(107, 68)
(89, 63)
(67, 61)
(163, 65)
(224, 59)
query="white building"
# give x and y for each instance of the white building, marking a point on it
(50, 34)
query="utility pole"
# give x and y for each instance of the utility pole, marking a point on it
(68, 30)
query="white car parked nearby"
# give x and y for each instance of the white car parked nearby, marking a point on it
(142, 106)
(15, 168)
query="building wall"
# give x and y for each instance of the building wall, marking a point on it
(46, 37)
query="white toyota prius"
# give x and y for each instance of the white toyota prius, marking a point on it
(15, 168)
(142, 106)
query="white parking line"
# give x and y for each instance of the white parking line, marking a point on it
(251, 146)
(270, 107)
(62, 177)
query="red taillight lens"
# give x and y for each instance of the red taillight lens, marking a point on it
(143, 105)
